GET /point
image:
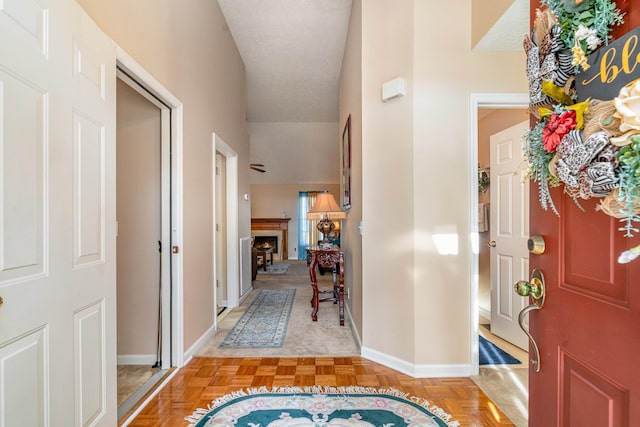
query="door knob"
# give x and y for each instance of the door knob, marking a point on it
(536, 290)
(491, 244)
(1, 301)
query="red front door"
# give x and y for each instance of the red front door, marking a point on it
(588, 331)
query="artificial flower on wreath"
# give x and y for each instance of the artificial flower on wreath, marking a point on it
(627, 105)
(541, 143)
(591, 148)
(556, 127)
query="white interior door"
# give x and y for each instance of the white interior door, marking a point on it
(57, 217)
(509, 229)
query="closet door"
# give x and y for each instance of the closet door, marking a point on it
(57, 216)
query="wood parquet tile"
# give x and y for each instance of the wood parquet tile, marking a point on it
(203, 379)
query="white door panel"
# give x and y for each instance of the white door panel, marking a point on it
(509, 219)
(57, 216)
(24, 372)
(88, 191)
(23, 196)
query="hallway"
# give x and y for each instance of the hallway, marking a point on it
(307, 358)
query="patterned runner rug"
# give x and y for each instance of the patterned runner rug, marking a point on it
(275, 269)
(320, 407)
(264, 323)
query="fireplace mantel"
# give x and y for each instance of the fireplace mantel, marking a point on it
(281, 224)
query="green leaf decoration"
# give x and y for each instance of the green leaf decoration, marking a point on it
(599, 15)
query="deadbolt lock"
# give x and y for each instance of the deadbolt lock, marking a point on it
(535, 245)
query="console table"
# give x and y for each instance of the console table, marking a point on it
(327, 258)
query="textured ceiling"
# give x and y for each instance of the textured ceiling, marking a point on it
(292, 51)
(509, 30)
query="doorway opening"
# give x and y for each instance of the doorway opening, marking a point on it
(496, 114)
(226, 238)
(149, 237)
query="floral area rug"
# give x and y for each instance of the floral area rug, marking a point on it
(264, 323)
(320, 407)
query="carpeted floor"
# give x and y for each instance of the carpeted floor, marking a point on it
(304, 337)
(131, 377)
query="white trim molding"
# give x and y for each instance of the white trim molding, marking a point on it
(502, 101)
(199, 344)
(417, 371)
(354, 330)
(136, 359)
(233, 238)
(142, 77)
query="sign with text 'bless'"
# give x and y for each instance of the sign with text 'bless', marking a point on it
(611, 68)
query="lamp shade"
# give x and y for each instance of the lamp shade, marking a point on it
(325, 207)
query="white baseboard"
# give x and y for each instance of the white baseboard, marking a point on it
(200, 342)
(416, 371)
(484, 313)
(354, 330)
(245, 295)
(136, 359)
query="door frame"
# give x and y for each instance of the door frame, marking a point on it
(503, 101)
(233, 239)
(172, 298)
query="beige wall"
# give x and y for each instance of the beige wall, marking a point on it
(138, 215)
(188, 48)
(387, 180)
(351, 104)
(416, 174)
(445, 76)
(274, 201)
(492, 123)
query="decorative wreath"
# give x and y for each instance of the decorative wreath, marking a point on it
(591, 148)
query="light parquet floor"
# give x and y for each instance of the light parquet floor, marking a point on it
(203, 379)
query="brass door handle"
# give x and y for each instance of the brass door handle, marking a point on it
(536, 290)
(1, 301)
(491, 244)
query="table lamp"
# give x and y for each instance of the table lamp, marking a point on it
(326, 210)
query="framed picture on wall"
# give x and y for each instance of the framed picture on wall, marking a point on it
(346, 165)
